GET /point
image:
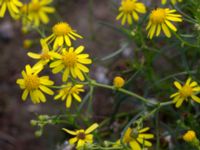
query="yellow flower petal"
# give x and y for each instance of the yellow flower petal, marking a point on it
(68, 101)
(67, 40)
(79, 49)
(80, 143)
(195, 98)
(46, 90)
(179, 102)
(178, 85)
(73, 140)
(144, 142)
(69, 131)
(144, 129)
(166, 30)
(134, 145)
(25, 94)
(146, 136)
(91, 128)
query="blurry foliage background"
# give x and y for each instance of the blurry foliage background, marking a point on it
(150, 69)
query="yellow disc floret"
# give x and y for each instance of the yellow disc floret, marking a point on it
(186, 91)
(61, 29)
(70, 59)
(128, 6)
(158, 15)
(32, 82)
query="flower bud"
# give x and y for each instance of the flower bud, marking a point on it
(189, 136)
(118, 82)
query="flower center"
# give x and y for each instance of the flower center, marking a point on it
(61, 28)
(69, 59)
(128, 6)
(186, 91)
(81, 136)
(158, 15)
(45, 56)
(32, 82)
(35, 6)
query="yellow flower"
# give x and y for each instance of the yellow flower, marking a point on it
(137, 137)
(45, 56)
(70, 91)
(32, 84)
(72, 62)
(188, 90)
(82, 136)
(173, 1)
(36, 12)
(62, 33)
(129, 10)
(118, 82)
(160, 18)
(189, 136)
(12, 6)
(27, 43)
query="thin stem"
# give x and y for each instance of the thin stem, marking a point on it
(123, 91)
(115, 53)
(157, 131)
(184, 42)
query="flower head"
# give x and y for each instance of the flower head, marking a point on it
(27, 43)
(186, 91)
(45, 56)
(172, 1)
(62, 33)
(118, 82)
(32, 84)
(82, 136)
(36, 12)
(72, 62)
(12, 6)
(189, 136)
(129, 10)
(160, 19)
(70, 91)
(137, 137)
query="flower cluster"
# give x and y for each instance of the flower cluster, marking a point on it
(159, 19)
(69, 61)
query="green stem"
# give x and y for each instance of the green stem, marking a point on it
(185, 42)
(94, 83)
(157, 131)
